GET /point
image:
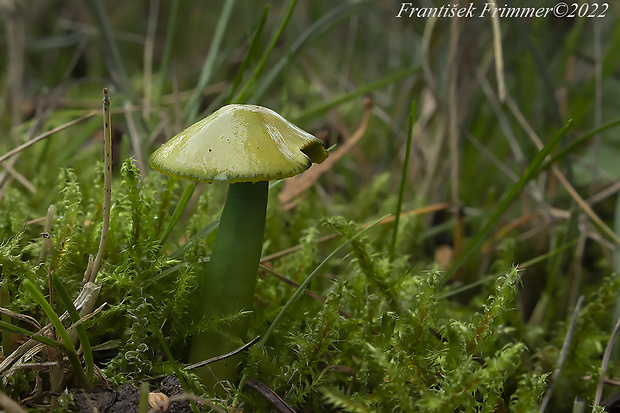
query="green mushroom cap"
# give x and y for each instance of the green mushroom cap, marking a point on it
(239, 143)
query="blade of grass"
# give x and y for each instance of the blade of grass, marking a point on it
(403, 180)
(61, 330)
(276, 37)
(206, 230)
(583, 102)
(80, 328)
(302, 288)
(530, 173)
(117, 68)
(208, 68)
(563, 353)
(246, 60)
(543, 66)
(187, 194)
(165, 59)
(570, 147)
(362, 90)
(616, 267)
(143, 407)
(175, 367)
(304, 285)
(5, 302)
(322, 25)
(493, 277)
(209, 228)
(47, 135)
(596, 220)
(4, 326)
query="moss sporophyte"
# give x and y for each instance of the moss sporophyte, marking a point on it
(246, 146)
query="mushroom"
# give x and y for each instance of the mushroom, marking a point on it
(246, 146)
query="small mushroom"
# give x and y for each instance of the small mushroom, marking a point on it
(159, 401)
(246, 146)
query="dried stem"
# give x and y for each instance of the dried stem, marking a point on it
(107, 184)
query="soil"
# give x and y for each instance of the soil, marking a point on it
(127, 398)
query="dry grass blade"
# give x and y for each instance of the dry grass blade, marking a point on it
(21, 317)
(47, 135)
(84, 300)
(499, 57)
(19, 177)
(585, 207)
(87, 317)
(297, 185)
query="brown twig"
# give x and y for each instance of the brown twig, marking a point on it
(271, 396)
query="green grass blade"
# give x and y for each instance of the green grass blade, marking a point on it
(61, 291)
(322, 25)
(248, 56)
(143, 406)
(492, 277)
(185, 197)
(175, 366)
(165, 59)
(117, 70)
(302, 287)
(5, 302)
(11, 328)
(362, 90)
(403, 180)
(530, 173)
(616, 267)
(259, 68)
(206, 230)
(583, 101)
(208, 68)
(568, 148)
(61, 330)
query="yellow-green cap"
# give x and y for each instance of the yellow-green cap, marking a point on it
(239, 143)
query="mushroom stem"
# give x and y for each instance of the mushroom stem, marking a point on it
(230, 280)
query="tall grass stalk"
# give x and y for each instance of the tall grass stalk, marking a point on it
(209, 65)
(403, 180)
(530, 173)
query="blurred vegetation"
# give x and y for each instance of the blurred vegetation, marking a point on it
(479, 306)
